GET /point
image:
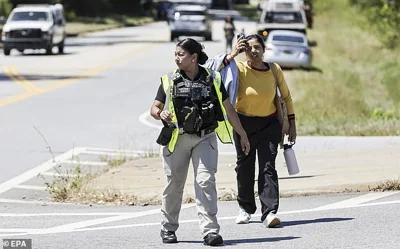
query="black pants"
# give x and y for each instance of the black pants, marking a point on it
(228, 47)
(264, 134)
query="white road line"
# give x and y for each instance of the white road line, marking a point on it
(358, 200)
(234, 217)
(85, 163)
(67, 214)
(78, 225)
(33, 202)
(17, 230)
(5, 186)
(48, 231)
(31, 187)
(13, 234)
(143, 119)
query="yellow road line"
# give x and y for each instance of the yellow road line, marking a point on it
(70, 81)
(24, 80)
(9, 72)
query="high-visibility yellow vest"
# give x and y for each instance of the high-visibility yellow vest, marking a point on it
(224, 129)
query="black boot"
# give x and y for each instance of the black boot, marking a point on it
(213, 239)
(168, 237)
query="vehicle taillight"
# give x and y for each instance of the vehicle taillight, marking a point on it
(307, 51)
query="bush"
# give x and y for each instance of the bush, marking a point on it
(384, 19)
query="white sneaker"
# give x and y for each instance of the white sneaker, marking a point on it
(243, 217)
(271, 221)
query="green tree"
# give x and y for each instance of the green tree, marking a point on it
(16, 2)
(5, 8)
(384, 18)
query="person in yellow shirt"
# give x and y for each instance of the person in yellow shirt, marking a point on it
(256, 109)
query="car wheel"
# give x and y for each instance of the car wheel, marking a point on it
(7, 51)
(61, 48)
(49, 50)
(208, 37)
(173, 37)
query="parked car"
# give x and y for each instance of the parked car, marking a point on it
(289, 49)
(176, 3)
(282, 15)
(191, 20)
(35, 27)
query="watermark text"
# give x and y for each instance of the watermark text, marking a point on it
(17, 243)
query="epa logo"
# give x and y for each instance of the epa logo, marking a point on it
(17, 243)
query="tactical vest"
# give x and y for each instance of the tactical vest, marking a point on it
(224, 129)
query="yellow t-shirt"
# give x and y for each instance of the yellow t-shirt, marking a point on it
(257, 91)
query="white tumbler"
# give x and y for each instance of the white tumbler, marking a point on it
(290, 159)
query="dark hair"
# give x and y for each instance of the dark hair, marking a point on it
(258, 37)
(194, 47)
(231, 17)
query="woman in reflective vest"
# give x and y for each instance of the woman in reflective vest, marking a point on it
(201, 147)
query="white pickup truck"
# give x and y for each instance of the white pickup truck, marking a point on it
(34, 26)
(282, 15)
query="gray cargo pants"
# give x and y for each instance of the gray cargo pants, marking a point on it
(204, 154)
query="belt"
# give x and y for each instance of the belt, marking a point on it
(275, 114)
(201, 133)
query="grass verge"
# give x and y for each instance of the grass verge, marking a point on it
(72, 184)
(353, 87)
(388, 185)
(352, 90)
(82, 25)
(250, 11)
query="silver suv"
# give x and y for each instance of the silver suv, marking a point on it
(35, 27)
(190, 20)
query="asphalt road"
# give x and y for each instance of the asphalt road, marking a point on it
(92, 100)
(90, 97)
(334, 221)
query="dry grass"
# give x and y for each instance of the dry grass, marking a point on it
(77, 28)
(73, 184)
(83, 25)
(388, 185)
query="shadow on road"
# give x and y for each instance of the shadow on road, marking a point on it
(246, 241)
(310, 69)
(44, 54)
(304, 222)
(107, 36)
(296, 177)
(32, 77)
(39, 77)
(258, 240)
(4, 78)
(111, 43)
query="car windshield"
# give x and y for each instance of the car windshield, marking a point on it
(284, 17)
(287, 38)
(30, 16)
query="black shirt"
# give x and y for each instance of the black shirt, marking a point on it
(179, 103)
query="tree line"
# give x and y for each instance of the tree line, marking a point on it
(87, 8)
(384, 19)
